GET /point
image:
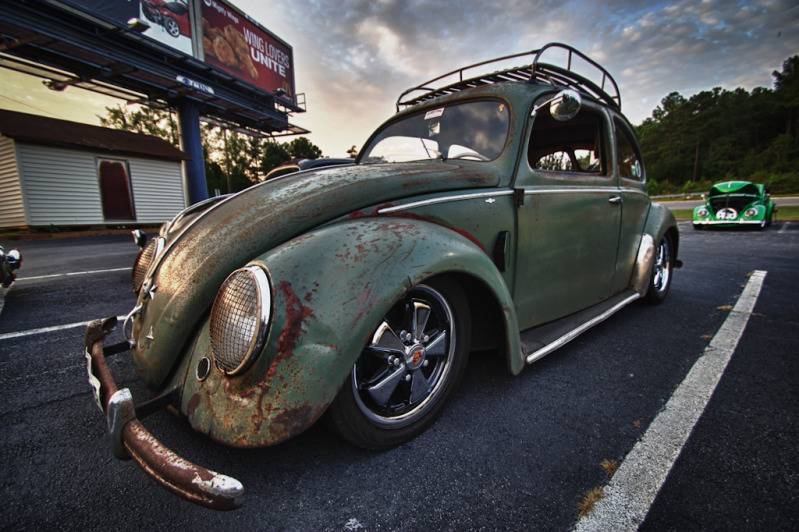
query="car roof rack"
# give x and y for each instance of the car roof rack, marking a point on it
(535, 72)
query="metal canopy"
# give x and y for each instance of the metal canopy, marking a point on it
(44, 40)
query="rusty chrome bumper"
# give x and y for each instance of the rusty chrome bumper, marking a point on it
(130, 439)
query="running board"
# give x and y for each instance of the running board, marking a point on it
(541, 340)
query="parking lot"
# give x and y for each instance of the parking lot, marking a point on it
(508, 452)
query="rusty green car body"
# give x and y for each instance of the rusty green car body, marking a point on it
(529, 247)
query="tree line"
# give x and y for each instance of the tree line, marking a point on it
(689, 143)
(233, 160)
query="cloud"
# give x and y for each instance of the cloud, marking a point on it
(353, 57)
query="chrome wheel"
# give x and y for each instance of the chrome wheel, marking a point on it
(172, 27)
(404, 368)
(662, 274)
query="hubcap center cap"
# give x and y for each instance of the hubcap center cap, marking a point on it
(414, 356)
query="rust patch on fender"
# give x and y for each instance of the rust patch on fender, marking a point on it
(463, 232)
(194, 402)
(296, 314)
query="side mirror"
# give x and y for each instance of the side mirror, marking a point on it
(563, 106)
(566, 105)
(14, 259)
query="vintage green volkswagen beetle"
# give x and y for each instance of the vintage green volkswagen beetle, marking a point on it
(735, 204)
(505, 211)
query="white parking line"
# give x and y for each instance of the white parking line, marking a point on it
(42, 330)
(70, 274)
(784, 227)
(633, 488)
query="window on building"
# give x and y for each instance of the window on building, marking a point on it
(574, 146)
(115, 189)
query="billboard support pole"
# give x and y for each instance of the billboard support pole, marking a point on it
(191, 144)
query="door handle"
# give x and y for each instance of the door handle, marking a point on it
(615, 200)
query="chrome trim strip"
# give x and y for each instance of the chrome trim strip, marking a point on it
(574, 333)
(459, 197)
(566, 190)
(446, 199)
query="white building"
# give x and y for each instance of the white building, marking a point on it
(60, 173)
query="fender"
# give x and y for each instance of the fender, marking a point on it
(659, 221)
(330, 289)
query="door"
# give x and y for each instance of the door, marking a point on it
(635, 202)
(568, 226)
(115, 191)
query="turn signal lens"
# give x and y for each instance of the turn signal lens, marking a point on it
(240, 319)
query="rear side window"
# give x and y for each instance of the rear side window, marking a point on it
(629, 160)
(574, 146)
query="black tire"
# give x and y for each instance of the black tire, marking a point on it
(658, 288)
(357, 415)
(171, 26)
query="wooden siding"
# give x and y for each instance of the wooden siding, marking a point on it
(12, 207)
(61, 186)
(157, 189)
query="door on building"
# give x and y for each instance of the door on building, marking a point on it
(115, 189)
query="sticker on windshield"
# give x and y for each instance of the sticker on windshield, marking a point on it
(435, 113)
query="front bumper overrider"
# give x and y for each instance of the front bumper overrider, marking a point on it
(130, 439)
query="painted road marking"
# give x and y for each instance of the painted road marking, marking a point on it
(633, 488)
(42, 330)
(784, 227)
(70, 274)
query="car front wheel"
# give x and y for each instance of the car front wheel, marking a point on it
(660, 280)
(413, 362)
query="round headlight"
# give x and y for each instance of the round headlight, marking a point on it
(240, 319)
(143, 261)
(750, 212)
(702, 212)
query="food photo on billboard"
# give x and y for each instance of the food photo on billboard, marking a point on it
(235, 44)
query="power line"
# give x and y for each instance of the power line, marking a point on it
(29, 105)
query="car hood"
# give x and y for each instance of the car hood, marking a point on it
(231, 233)
(730, 187)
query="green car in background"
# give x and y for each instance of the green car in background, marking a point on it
(735, 203)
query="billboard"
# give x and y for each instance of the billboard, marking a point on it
(235, 44)
(170, 21)
(224, 37)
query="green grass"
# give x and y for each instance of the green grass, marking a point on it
(784, 214)
(788, 214)
(682, 214)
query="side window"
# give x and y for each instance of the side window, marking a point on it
(629, 160)
(575, 146)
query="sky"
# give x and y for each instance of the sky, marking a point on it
(354, 57)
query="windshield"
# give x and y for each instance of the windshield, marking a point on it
(474, 131)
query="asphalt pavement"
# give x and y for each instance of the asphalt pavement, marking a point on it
(508, 452)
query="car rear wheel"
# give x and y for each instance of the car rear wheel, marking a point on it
(413, 362)
(660, 280)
